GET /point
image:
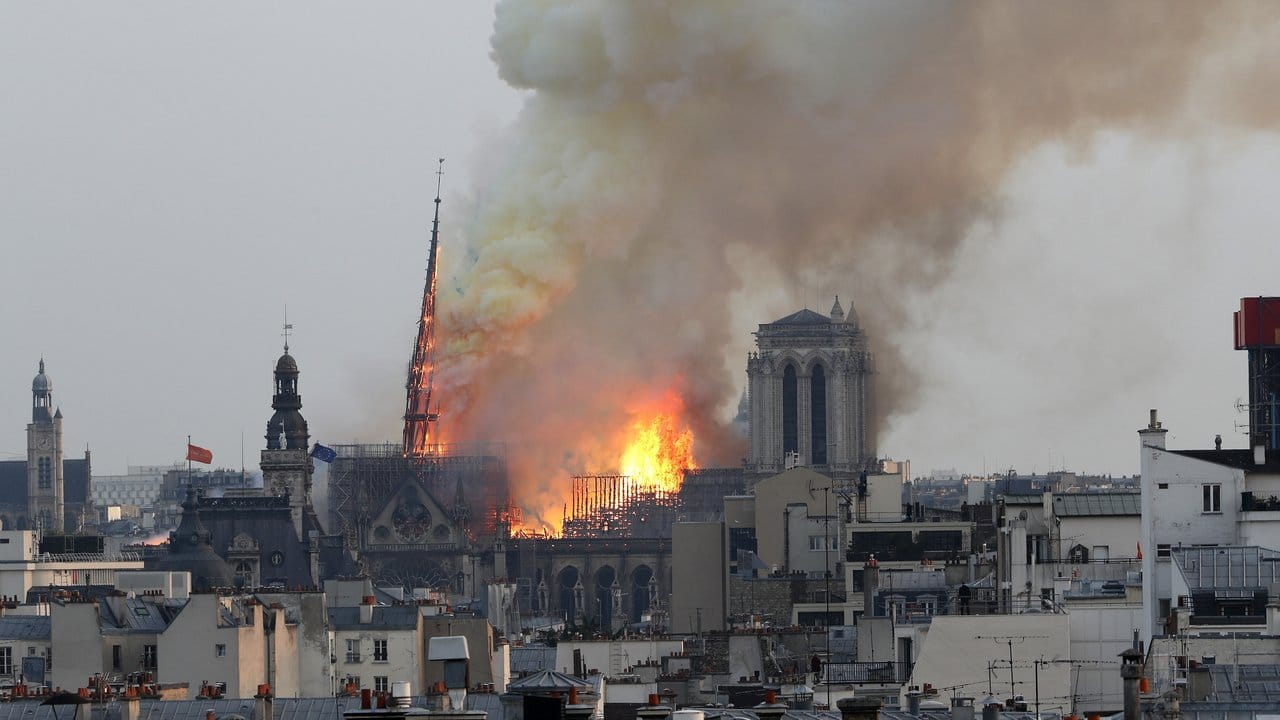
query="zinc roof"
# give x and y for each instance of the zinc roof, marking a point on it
(1098, 504)
(25, 627)
(1222, 568)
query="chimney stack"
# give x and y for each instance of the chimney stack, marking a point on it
(870, 583)
(1153, 434)
(1131, 673)
(859, 708)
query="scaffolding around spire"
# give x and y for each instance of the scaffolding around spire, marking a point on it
(418, 412)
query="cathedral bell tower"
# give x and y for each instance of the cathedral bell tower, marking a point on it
(810, 394)
(286, 465)
(44, 457)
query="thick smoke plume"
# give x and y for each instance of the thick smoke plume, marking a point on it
(677, 160)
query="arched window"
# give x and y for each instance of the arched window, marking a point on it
(818, 415)
(244, 575)
(790, 421)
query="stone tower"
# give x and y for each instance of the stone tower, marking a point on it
(44, 457)
(286, 464)
(810, 392)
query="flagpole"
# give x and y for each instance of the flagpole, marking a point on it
(188, 462)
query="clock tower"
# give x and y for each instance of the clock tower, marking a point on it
(44, 457)
(286, 464)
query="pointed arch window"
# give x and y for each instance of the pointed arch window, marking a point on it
(790, 419)
(818, 415)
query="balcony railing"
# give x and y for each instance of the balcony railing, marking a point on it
(867, 672)
(353, 657)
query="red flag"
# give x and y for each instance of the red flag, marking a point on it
(199, 454)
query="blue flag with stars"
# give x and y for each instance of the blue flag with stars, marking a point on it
(323, 454)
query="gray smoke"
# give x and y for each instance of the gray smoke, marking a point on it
(678, 162)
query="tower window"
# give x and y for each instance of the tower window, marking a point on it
(818, 415)
(44, 473)
(790, 430)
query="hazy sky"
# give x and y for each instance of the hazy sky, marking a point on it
(172, 174)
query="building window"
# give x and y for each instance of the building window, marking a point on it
(1212, 497)
(220, 650)
(379, 650)
(1162, 486)
(816, 542)
(380, 683)
(790, 405)
(6, 661)
(353, 650)
(818, 415)
(48, 658)
(45, 473)
(149, 657)
(115, 657)
(1164, 550)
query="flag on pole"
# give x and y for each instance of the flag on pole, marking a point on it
(324, 454)
(199, 454)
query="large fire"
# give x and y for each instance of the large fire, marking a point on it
(658, 453)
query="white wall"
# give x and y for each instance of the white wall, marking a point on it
(1174, 515)
(1099, 633)
(958, 649)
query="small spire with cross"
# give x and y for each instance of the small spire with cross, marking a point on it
(286, 328)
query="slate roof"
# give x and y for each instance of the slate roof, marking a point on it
(25, 627)
(139, 616)
(532, 658)
(13, 481)
(1241, 459)
(804, 317)
(386, 617)
(1116, 504)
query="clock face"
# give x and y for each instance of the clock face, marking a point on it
(44, 442)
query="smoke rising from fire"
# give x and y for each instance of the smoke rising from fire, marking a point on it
(673, 157)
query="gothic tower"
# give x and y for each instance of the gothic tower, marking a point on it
(286, 465)
(809, 389)
(44, 457)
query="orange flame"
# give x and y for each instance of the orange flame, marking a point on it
(659, 449)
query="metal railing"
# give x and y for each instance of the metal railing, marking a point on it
(867, 672)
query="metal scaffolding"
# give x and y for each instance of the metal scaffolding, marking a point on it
(468, 479)
(614, 506)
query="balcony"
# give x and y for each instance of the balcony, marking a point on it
(868, 672)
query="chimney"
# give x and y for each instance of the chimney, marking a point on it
(653, 711)
(1217, 442)
(870, 583)
(1153, 434)
(262, 702)
(574, 710)
(991, 710)
(859, 708)
(366, 610)
(961, 708)
(1131, 673)
(913, 701)
(1199, 683)
(129, 706)
(770, 709)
